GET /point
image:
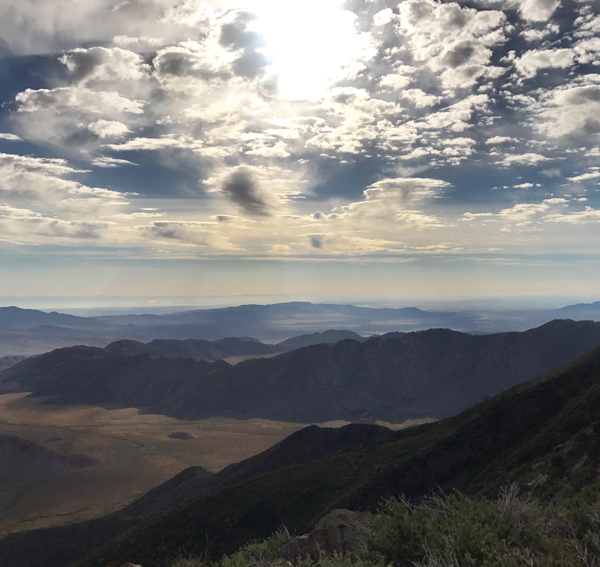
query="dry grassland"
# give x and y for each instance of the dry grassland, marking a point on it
(134, 452)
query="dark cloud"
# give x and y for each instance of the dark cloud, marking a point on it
(316, 240)
(242, 190)
(460, 54)
(82, 63)
(586, 94)
(236, 37)
(182, 64)
(250, 65)
(189, 232)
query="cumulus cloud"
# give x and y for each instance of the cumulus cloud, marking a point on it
(538, 10)
(585, 176)
(589, 215)
(532, 61)
(101, 65)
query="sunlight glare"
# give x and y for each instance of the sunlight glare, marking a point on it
(311, 43)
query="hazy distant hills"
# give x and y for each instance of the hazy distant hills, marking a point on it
(543, 434)
(27, 331)
(433, 374)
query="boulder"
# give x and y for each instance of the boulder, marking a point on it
(338, 532)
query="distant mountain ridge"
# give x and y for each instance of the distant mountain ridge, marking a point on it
(426, 374)
(28, 332)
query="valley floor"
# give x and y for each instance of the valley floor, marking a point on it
(134, 452)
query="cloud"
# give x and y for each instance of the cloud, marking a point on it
(589, 215)
(523, 186)
(76, 98)
(500, 140)
(524, 159)
(111, 162)
(538, 10)
(570, 111)
(316, 240)
(532, 61)
(44, 184)
(585, 176)
(26, 226)
(108, 129)
(184, 232)
(522, 213)
(101, 65)
(10, 137)
(242, 189)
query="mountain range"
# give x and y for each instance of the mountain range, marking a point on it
(543, 434)
(396, 377)
(28, 331)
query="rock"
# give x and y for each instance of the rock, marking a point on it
(338, 532)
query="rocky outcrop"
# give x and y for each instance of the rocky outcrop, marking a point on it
(338, 532)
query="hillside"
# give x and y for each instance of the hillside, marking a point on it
(196, 349)
(543, 434)
(23, 461)
(427, 374)
(328, 337)
(58, 546)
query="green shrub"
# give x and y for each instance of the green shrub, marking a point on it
(515, 530)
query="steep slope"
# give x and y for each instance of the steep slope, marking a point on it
(434, 373)
(544, 434)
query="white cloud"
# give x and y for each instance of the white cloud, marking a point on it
(589, 215)
(500, 140)
(98, 65)
(585, 176)
(538, 10)
(111, 162)
(532, 61)
(108, 129)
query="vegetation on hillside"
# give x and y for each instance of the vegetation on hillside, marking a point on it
(514, 530)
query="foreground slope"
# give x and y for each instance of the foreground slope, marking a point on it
(544, 434)
(426, 374)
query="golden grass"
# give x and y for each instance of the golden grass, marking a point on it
(134, 453)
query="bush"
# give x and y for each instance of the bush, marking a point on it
(454, 530)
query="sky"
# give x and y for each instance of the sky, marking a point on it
(366, 148)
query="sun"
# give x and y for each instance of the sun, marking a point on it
(311, 43)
